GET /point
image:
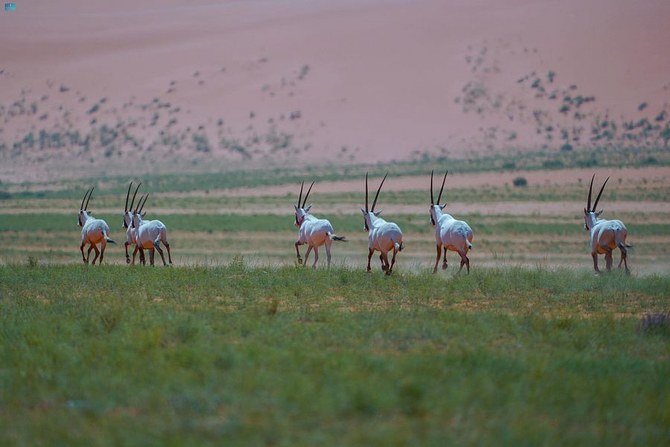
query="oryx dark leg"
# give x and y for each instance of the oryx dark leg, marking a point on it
(297, 251)
(88, 253)
(385, 262)
(465, 261)
(370, 252)
(328, 244)
(624, 256)
(437, 258)
(152, 254)
(309, 250)
(84, 257)
(134, 253)
(97, 253)
(444, 263)
(160, 252)
(594, 255)
(167, 245)
(385, 265)
(126, 244)
(103, 246)
(390, 270)
(608, 259)
(316, 256)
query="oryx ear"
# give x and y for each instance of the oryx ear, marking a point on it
(586, 211)
(363, 211)
(296, 208)
(443, 206)
(599, 213)
(377, 213)
(143, 214)
(308, 208)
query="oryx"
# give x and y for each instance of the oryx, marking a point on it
(383, 236)
(131, 234)
(93, 231)
(149, 234)
(605, 235)
(312, 231)
(452, 234)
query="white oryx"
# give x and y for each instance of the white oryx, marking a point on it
(93, 231)
(131, 234)
(312, 231)
(606, 235)
(452, 234)
(149, 234)
(383, 236)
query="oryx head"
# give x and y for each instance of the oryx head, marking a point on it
(368, 212)
(137, 213)
(435, 207)
(127, 211)
(590, 213)
(84, 214)
(300, 210)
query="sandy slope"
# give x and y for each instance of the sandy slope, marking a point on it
(377, 78)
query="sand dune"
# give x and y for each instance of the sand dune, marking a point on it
(319, 79)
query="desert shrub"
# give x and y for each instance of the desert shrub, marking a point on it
(520, 182)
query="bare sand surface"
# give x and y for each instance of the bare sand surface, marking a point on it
(319, 80)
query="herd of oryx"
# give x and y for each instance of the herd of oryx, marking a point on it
(383, 236)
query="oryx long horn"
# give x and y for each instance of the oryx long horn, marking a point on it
(132, 202)
(128, 196)
(81, 207)
(374, 202)
(432, 199)
(307, 195)
(138, 204)
(595, 205)
(143, 203)
(366, 193)
(588, 202)
(300, 196)
(89, 198)
(439, 196)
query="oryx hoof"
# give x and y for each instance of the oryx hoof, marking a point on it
(300, 261)
(388, 272)
(444, 266)
(127, 259)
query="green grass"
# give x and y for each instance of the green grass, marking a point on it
(595, 158)
(288, 356)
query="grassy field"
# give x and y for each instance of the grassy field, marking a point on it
(288, 356)
(38, 221)
(235, 345)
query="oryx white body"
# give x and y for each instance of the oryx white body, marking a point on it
(312, 232)
(131, 233)
(383, 236)
(149, 235)
(450, 234)
(93, 232)
(605, 235)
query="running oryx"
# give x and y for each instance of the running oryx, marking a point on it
(605, 235)
(312, 231)
(150, 233)
(127, 223)
(452, 234)
(93, 231)
(382, 236)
